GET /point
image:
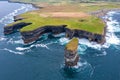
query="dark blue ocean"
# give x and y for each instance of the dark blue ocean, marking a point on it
(44, 59)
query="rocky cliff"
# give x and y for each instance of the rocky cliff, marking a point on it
(31, 36)
(34, 35)
(71, 56)
(99, 38)
(15, 27)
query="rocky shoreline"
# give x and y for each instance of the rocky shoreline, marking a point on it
(103, 12)
(13, 28)
(25, 3)
(31, 36)
(34, 35)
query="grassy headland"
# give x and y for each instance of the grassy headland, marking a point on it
(87, 23)
(71, 13)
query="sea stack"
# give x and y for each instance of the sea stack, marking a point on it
(71, 56)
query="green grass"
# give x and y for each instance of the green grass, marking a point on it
(84, 7)
(72, 45)
(90, 24)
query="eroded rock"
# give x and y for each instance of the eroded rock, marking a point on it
(12, 28)
(71, 56)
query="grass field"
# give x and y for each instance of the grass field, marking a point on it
(72, 5)
(87, 23)
(66, 12)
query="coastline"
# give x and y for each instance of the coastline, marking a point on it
(103, 12)
(70, 33)
(34, 5)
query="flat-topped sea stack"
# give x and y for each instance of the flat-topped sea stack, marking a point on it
(71, 56)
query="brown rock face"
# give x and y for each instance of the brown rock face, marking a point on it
(12, 28)
(99, 38)
(34, 35)
(71, 56)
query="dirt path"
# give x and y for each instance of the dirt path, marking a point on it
(65, 14)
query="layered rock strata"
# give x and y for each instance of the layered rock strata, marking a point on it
(71, 56)
(30, 36)
(13, 28)
(99, 38)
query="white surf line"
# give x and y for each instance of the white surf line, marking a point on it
(113, 26)
(11, 51)
(111, 38)
(9, 18)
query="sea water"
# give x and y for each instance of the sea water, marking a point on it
(44, 59)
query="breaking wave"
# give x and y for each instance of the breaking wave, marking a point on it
(111, 38)
(32, 46)
(113, 26)
(2, 38)
(63, 40)
(11, 51)
(9, 18)
(83, 67)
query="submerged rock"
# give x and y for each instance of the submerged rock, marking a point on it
(71, 56)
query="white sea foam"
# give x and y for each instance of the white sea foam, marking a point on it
(19, 41)
(80, 64)
(41, 45)
(9, 18)
(113, 26)
(63, 40)
(32, 46)
(82, 49)
(59, 35)
(111, 38)
(111, 13)
(21, 48)
(11, 51)
(2, 38)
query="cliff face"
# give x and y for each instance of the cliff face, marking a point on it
(71, 56)
(17, 18)
(31, 36)
(13, 28)
(84, 34)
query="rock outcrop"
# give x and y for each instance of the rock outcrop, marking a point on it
(13, 28)
(31, 36)
(103, 12)
(17, 18)
(71, 56)
(99, 38)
